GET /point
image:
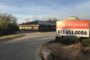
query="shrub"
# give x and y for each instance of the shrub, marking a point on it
(86, 42)
(66, 40)
(8, 24)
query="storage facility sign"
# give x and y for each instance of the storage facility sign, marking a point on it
(78, 28)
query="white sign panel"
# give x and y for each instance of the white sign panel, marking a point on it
(78, 28)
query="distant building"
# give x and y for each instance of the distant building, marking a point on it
(38, 26)
(72, 18)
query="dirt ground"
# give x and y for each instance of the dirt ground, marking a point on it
(57, 51)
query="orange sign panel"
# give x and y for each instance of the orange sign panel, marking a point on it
(75, 24)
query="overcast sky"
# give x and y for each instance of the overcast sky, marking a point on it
(24, 9)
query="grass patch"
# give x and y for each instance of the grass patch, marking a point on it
(12, 36)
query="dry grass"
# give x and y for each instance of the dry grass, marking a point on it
(9, 37)
(57, 51)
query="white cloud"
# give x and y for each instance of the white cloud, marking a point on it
(81, 10)
(84, 5)
(4, 6)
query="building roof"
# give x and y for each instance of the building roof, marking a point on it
(39, 22)
(28, 23)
